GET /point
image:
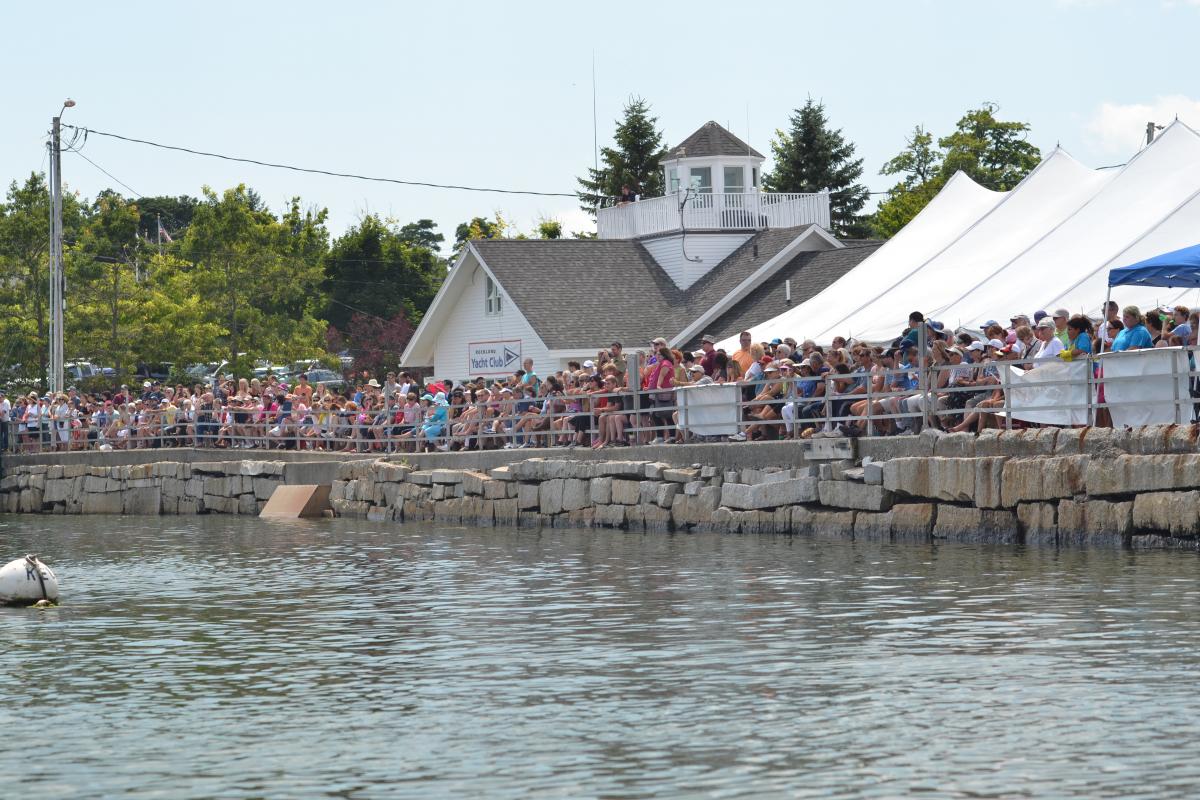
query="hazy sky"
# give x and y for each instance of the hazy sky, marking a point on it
(500, 94)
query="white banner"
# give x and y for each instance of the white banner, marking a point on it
(1147, 385)
(493, 358)
(709, 410)
(1031, 400)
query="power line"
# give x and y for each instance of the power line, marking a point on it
(314, 171)
(137, 195)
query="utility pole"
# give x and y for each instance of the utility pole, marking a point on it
(56, 365)
(57, 281)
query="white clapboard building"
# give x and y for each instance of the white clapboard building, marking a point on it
(713, 256)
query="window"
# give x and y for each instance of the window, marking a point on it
(673, 179)
(491, 291)
(735, 180)
(754, 177)
(702, 179)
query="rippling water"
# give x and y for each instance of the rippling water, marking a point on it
(224, 657)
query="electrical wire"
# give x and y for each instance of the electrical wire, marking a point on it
(137, 195)
(315, 171)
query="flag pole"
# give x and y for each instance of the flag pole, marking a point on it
(158, 220)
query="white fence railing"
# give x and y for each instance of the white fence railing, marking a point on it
(706, 211)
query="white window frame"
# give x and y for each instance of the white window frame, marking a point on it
(736, 188)
(493, 304)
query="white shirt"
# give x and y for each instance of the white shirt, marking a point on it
(1047, 350)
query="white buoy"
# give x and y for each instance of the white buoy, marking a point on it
(26, 581)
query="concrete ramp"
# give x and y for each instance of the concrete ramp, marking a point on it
(291, 502)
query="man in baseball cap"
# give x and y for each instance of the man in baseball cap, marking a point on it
(1061, 316)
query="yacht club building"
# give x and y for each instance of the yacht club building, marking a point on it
(711, 256)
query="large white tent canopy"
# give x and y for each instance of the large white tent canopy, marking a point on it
(973, 255)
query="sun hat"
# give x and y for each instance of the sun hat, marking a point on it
(1046, 323)
(373, 383)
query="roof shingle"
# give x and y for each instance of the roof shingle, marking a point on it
(712, 140)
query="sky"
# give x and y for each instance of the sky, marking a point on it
(500, 94)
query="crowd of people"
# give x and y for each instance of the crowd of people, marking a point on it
(786, 388)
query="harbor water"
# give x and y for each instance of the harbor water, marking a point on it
(224, 657)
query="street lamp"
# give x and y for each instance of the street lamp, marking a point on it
(57, 282)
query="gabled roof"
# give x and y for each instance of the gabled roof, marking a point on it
(712, 140)
(582, 293)
(809, 272)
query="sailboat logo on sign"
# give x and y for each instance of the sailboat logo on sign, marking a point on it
(485, 358)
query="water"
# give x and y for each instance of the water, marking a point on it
(223, 657)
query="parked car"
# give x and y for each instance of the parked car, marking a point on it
(331, 379)
(154, 371)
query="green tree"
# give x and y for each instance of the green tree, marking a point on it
(811, 156)
(992, 152)
(24, 263)
(422, 233)
(379, 270)
(175, 213)
(258, 275)
(549, 229)
(479, 228)
(633, 161)
(919, 165)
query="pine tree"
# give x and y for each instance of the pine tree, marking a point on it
(633, 161)
(811, 157)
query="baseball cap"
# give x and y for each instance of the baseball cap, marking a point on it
(589, 363)
(996, 343)
(707, 338)
(975, 346)
(146, 385)
(1039, 315)
(1062, 312)
(990, 323)
(777, 340)
(1046, 323)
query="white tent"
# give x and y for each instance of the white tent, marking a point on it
(956, 207)
(1048, 243)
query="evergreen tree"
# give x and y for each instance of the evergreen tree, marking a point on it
(634, 160)
(811, 157)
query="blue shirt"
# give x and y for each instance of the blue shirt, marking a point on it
(1083, 343)
(1135, 337)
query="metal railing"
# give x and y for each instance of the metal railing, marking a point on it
(713, 211)
(874, 402)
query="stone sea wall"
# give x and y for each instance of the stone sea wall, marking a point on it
(165, 487)
(1138, 488)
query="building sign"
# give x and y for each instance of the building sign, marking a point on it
(493, 358)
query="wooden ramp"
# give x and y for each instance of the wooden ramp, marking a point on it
(291, 502)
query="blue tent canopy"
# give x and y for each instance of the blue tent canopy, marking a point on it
(1177, 268)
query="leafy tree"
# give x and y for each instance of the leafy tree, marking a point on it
(633, 161)
(257, 275)
(381, 271)
(549, 229)
(919, 164)
(422, 233)
(991, 152)
(25, 263)
(479, 228)
(375, 343)
(175, 213)
(809, 157)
